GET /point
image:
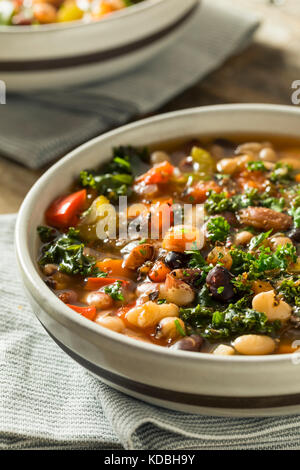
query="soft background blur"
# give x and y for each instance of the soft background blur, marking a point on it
(262, 73)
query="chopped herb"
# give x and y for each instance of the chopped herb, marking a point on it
(161, 301)
(179, 327)
(282, 173)
(256, 166)
(220, 289)
(67, 251)
(114, 290)
(218, 229)
(258, 240)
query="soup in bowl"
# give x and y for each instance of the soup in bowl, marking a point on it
(170, 249)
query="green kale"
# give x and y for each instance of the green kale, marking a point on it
(282, 173)
(290, 291)
(218, 229)
(258, 240)
(179, 327)
(235, 320)
(276, 204)
(114, 290)
(114, 179)
(220, 202)
(265, 260)
(46, 234)
(67, 251)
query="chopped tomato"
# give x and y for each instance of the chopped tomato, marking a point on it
(94, 283)
(199, 192)
(160, 173)
(63, 212)
(159, 272)
(87, 312)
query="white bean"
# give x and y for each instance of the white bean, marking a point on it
(254, 345)
(112, 323)
(167, 328)
(159, 156)
(272, 307)
(149, 314)
(224, 350)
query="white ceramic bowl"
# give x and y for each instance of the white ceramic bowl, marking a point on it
(196, 382)
(56, 55)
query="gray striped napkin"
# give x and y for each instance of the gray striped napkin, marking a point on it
(37, 129)
(47, 401)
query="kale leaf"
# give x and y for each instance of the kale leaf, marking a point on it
(67, 251)
(218, 229)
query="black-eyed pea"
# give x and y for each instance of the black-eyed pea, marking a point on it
(273, 307)
(159, 156)
(113, 323)
(254, 345)
(224, 350)
(170, 328)
(243, 238)
(44, 13)
(99, 300)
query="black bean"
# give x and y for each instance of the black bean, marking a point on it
(189, 343)
(294, 234)
(176, 260)
(219, 284)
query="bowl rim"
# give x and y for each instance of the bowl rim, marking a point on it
(137, 9)
(43, 293)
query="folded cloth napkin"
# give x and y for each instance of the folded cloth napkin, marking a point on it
(48, 401)
(36, 129)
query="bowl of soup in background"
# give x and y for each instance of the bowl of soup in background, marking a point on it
(63, 54)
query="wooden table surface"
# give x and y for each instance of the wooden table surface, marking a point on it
(263, 73)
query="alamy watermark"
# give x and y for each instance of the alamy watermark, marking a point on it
(2, 92)
(295, 98)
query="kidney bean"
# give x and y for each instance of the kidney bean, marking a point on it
(217, 278)
(189, 343)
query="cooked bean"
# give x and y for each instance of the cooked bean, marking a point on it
(265, 219)
(168, 329)
(252, 148)
(271, 306)
(280, 241)
(268, 154)
(112, 323)
(220, 255)
(229, 166)
(149, 314)
(50, 269)
(176, 260)
(189, 343)
(294, 234)
(99, 300)
(68, 296)
(243, 238)
(224, 350)
(217, 279)
(293, 162)
(159, 157)
(138, 255)
(261, 286)
(254, 345)
(177, 292)
(191, 276)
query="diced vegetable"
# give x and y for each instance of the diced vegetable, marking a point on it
(87, 312)
(64, 211)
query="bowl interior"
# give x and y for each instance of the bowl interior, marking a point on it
(215, 120)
